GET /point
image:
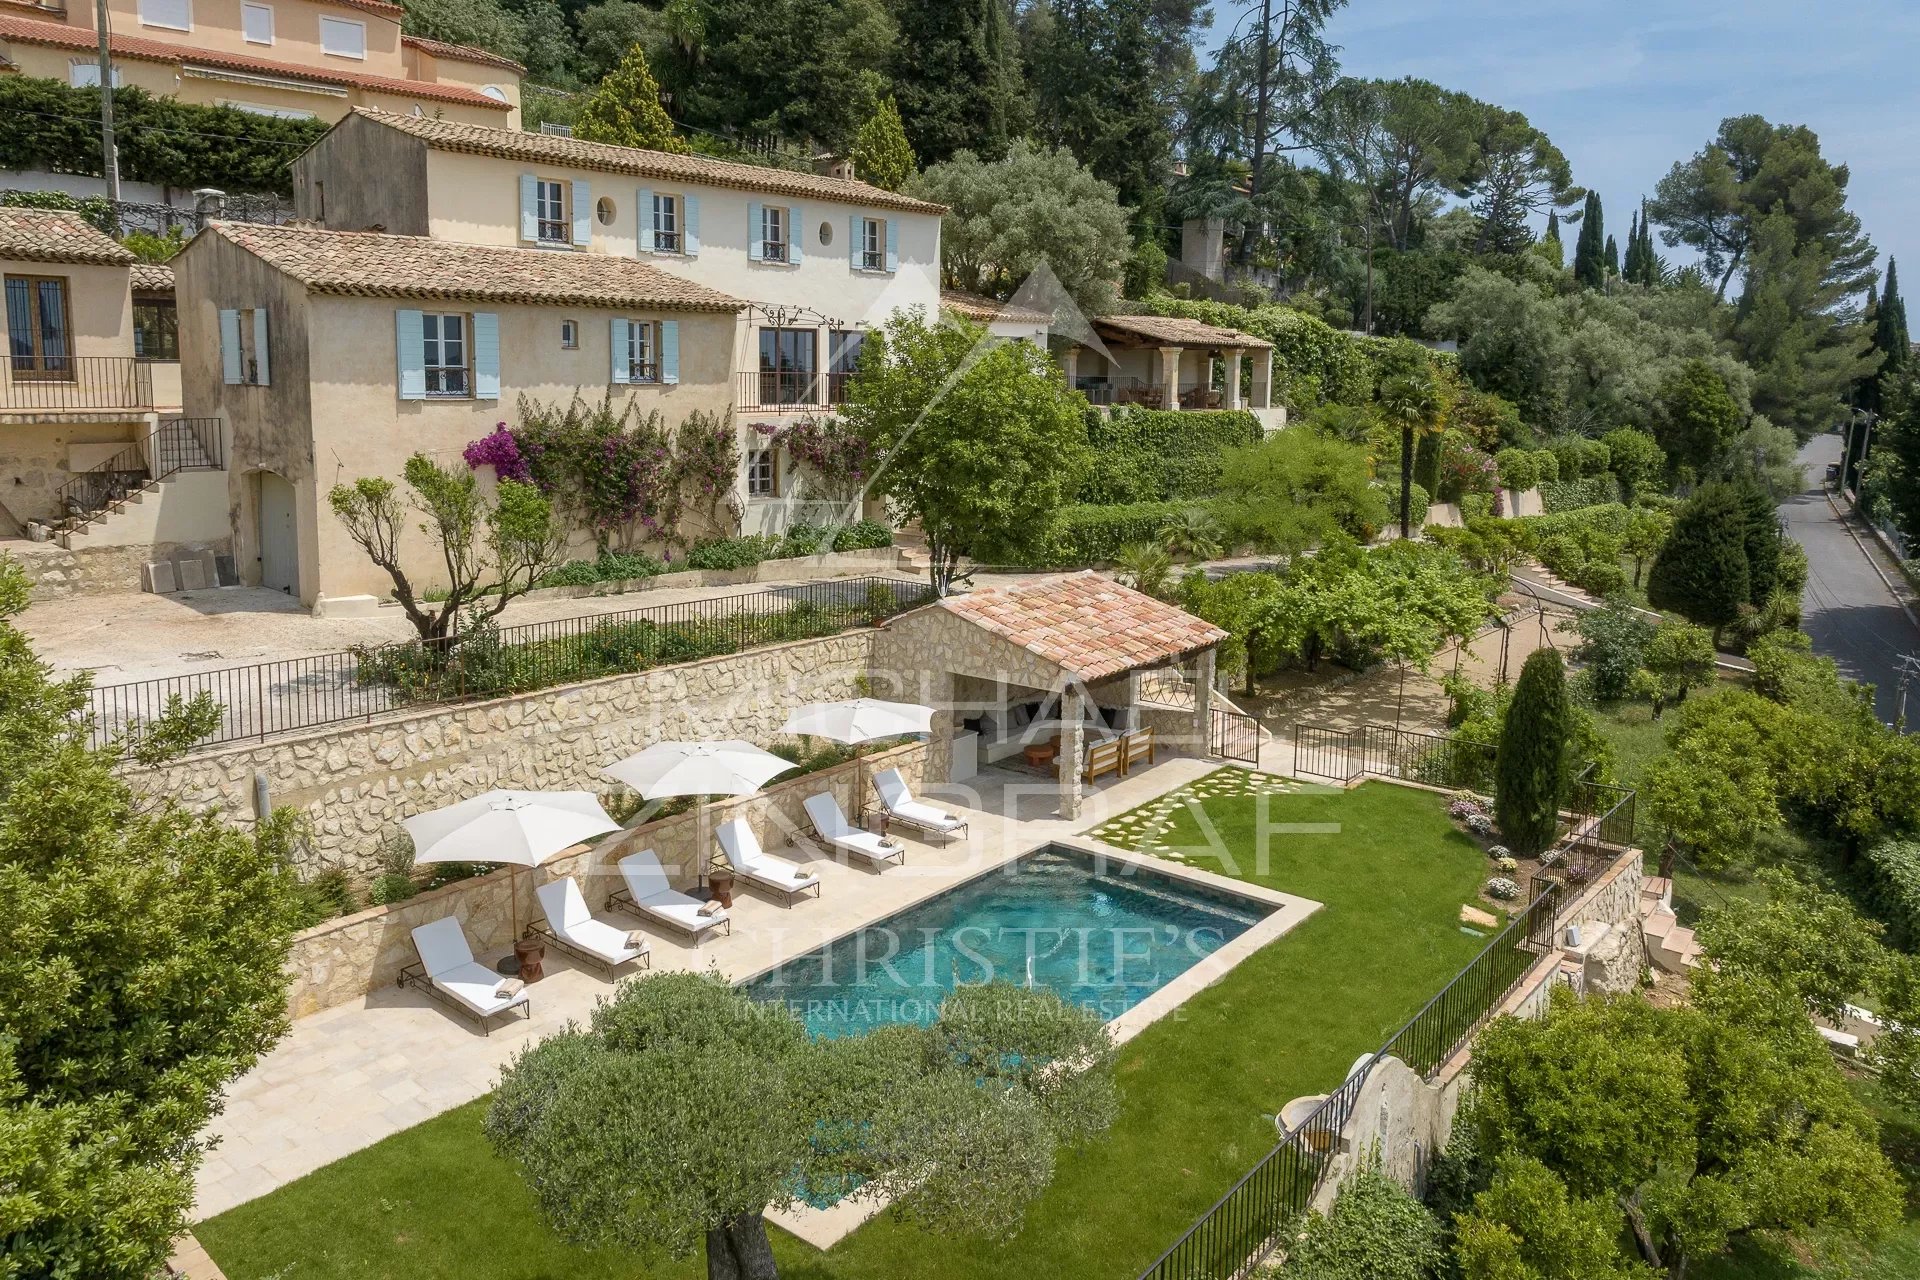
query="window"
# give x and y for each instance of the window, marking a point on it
(550, 208)
(39, 335)
(643, 351)
(763, 474)
(773, 234)
(250, 331)
(176, 15)
(826, 233)
(444, 344)
(495, 92)
(843, 357)
(569, 335)
(84, 73)
(787, 369)
(343, 39)
(873, 244)
(320, 201)
(156, 329)
(666, 224)
(604, 211)
(256, 23)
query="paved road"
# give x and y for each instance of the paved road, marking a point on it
(1851, 615)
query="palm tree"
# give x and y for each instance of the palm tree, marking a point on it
(1193, 535)
(1145, 567)
(1408, 401)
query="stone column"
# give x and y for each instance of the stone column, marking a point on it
(1233, 378)
(1070, 364)
(1203, 668)
(1263, 379)
(1072, 743)
(939, 686)
(1170, 377)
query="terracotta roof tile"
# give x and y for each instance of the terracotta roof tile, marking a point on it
(1090, 626)
(462, 53)
(368, 264)
(547, 148)
(981, 309)
(1185, 333)
(152, 277)
(57, 235)
(144, 50)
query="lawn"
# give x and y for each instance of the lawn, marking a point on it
(1200, 1089)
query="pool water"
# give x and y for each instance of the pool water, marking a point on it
(1102, 933)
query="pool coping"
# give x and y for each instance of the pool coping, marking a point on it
(824, 1228)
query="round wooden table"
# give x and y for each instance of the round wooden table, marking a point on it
(532, 953)
(1041, 754)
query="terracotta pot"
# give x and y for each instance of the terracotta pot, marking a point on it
(720, 885)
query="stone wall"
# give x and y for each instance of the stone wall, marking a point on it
(1610, 947)
(350, 957)
(59, 574)
(355, 783)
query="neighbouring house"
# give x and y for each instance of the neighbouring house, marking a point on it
(1161, 362)
(331, 355)
(93, 450)
(308, 59)
(1002, 319)
(818, 259)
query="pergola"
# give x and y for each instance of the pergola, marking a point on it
(1079, 638)
(1167, 363)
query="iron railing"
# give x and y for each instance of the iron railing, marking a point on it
(1234, 736)
(179, 444)
(1243, 1225)
(792, 389)
(75, 382)
(269, 698)
(1383, 751)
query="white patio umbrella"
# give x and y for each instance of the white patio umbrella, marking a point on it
(518, 828)
(729, 768)
(860, 720)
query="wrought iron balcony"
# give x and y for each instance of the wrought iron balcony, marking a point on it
(72, 383)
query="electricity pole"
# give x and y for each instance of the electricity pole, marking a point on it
(1909, 668)
(109, 153)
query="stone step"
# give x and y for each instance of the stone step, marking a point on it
(1659, 924)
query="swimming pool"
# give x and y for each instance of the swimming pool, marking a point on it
(1100, 931)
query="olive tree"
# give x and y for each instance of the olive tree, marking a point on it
(686, 1110)
(490, 552)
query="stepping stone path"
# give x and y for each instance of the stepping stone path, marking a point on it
(1144, 829)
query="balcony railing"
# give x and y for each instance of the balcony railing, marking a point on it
(792, 390)
(873, 260)
(773, 250)
(75, 382)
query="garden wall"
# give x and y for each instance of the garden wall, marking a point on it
(356, 782)
(349, 957)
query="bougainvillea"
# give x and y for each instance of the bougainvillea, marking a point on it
(1465, 469)
(501, 451)
(838, 458)
(706, 456)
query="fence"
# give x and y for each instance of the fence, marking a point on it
(1381, 750)
(1242, 1225)
(1235, 736)
(75, 382)
(269, 698)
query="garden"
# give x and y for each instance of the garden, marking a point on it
(1198, 1090)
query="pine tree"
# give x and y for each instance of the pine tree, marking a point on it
(1613, 257)
(1702, 572)
(1590, 251)
(881, 154)
(1530, 766)
(624, 109)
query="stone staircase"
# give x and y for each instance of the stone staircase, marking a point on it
(1670, 943)
(911, 543)
(95, 498)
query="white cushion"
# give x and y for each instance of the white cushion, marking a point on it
(473, 985)
(644, 875)
(564, 907)
(825, 812)
(442, 945)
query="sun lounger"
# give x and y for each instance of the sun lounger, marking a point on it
(448, 972)
(572, 928)
(900, 806)
(750, 863)
(840, 834)
(649, 895)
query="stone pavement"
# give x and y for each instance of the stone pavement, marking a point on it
(347, 1077)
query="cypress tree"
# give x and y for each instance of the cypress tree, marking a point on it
(1613, 257)
(1590, 250)
(1553, 224)
(1702, 571)
(1762, 542)
(1630, 265)
(1890, 339)
(1648, 258)
(1530, 766)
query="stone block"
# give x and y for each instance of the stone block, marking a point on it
(192, 575)
(158, 578)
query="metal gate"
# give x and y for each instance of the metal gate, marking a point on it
(1320, 751)
(1235, 736)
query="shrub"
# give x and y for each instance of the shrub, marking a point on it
(1579, 457)
(1894, 889)
(740, 552)
(1531, 768)
(1613, 643)
(390, 887)
(1151, 455)
(446, 873)
(1080, 535)
(881, 602)
(1571, 495)
(1375, 1231)
(1519, 471)
(322, 898)
(1503, 888)
(863, 535)
(612, 567)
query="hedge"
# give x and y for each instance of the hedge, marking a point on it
(1151, 455)
(1086, 534)
(1572, 495)
(163, 141)
(1893, 873)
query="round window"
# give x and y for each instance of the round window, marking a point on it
(826, 233)
(603, 210)
(494, 91)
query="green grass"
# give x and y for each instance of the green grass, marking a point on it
(1200, 1089)
(1635, 736)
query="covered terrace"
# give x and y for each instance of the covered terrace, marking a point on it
(1161, 362)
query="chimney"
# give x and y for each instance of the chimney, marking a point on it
(209, 204)
(834, 166)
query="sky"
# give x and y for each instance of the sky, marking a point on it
(1627, 87)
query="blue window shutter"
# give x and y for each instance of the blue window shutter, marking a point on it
(756, 230)
(796, 232)
(582, 214)
(261, 377)
(670, 351)
(486, 356)
(529, 212)
(622, 371)
(643, 216)
(690, 232)
(230, 348)
(409, 340)
(853, 240)
(893, 244)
